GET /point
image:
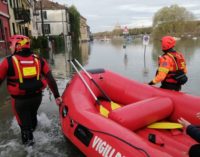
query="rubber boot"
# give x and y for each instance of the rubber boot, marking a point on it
(27, 137)
(34, 124)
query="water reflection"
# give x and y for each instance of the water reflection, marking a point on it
(118, 43)
(135, 62)
(145, 70)
(125, 60)
(186, 46)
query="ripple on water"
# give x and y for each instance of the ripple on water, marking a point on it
(49, 140)
(48, 136)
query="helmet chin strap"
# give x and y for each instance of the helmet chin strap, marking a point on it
(16, 52)
(24, 52)
(169, 50)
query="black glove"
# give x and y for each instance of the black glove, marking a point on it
(151, 83)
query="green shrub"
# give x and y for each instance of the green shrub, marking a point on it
(41, 43)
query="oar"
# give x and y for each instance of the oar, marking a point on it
(113, 104)
(103, 110)
(165, 125)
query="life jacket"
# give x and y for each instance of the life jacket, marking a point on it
(24, 75)
(178, 67)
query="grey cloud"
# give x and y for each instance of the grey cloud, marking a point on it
(104, 14)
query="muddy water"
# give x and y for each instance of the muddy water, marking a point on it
(131, 62)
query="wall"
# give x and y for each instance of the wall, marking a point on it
(57, 21)
(4, 28)
(83, 29)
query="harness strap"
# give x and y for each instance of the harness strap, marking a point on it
(173, 60)
(38, 67)
(18, 69)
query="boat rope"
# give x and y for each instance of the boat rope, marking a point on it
(118, 138)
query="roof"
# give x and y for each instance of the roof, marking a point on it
(83, 17)
(49, 5)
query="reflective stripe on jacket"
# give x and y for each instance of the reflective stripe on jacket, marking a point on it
(24, 75)
(169, 63)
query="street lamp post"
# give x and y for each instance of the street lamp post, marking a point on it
(42, 18)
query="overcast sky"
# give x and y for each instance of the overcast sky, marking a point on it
(103, 15)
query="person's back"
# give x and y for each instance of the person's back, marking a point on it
(172, 67)
(23, 74)
(27, 75)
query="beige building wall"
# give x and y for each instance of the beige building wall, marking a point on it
(55, 19)
(83, 29)
(18, 22)
(85, 50)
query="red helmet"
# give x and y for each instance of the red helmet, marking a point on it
(19, 42)
(168, 42)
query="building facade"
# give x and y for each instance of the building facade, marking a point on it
(53, 19)
(84, 29)
(21, 15)
(4, 27)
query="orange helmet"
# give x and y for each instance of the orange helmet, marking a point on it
(19, 42)
(168, 42)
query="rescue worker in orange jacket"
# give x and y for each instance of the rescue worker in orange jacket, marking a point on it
(172, 66)
(27, 75)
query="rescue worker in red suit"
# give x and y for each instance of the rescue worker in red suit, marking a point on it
(27, 75)
(172, 66)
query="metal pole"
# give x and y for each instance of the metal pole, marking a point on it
(42, 18)
(90, 77)
(145, 56)
(84, 82)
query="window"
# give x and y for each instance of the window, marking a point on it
(26, 31)
(11, 3)
(47, 29)
(44, 14)
(17, 4)
(1, 31)
(13, 26)
(20, 29)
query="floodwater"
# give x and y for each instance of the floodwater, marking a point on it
(126, 58)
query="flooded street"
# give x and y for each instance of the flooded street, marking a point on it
(129, 61)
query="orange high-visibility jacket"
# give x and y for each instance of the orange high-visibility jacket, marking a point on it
(168, 63)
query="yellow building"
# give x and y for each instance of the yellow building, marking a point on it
(21, 17)
(84, 29)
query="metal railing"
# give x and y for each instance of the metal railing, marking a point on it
(22, 15)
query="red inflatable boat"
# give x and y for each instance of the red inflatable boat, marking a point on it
(100, 130)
